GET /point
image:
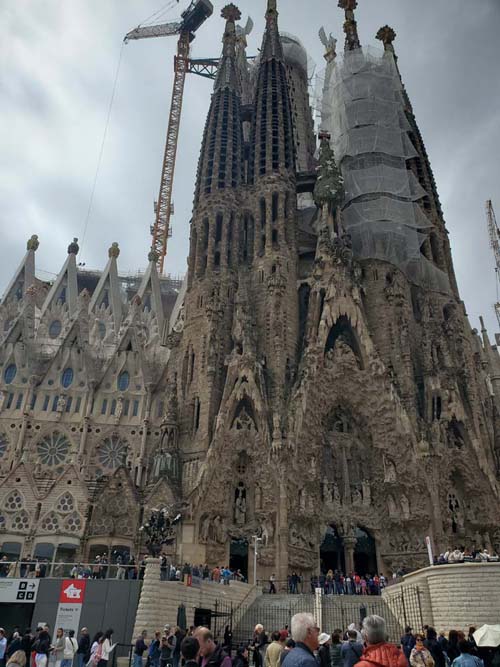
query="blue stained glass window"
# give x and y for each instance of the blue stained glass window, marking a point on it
(135, 409)
(68, 403)
(67, 377)
(10, 373)
(104, 406)
(46, 403)
(123, 381)
(19, 402)
(78, 404)
(10, 398)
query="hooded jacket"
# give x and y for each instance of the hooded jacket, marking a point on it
(382, 655)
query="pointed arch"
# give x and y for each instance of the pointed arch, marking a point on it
(343, 331)
(244, 418)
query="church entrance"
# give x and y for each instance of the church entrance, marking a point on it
(331, 552)
(238, 556)
(365, 555)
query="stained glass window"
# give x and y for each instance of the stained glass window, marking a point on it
(67, 377)
(112, 453)
(55, 329)
(10, 373)
(53, 449)
(123, 381)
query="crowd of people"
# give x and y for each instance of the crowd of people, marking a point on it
(218, 574)
(307, 646)
(37, 649)
(466, 555)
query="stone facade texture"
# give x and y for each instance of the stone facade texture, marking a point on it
(291, 390)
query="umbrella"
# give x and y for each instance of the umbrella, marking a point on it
(487, 635)
(181, 617)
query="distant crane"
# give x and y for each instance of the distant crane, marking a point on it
(191, 19)
(494, 233)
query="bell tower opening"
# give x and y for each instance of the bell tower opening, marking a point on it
(238, 556)
(331, 552)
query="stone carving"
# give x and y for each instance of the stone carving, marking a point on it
(212, 530)
(389, 470)
(405, 507)
(367, 493)
(240, 505)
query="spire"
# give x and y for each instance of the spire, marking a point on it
(220, 165)
(350, 25)
(24, 277)
(227, 74)
(271, 43)
(107, 292)
(387, 35)
(272, 144)
(65, 288)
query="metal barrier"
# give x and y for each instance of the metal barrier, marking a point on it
(120, 652)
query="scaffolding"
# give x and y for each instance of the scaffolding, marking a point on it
(363, 111)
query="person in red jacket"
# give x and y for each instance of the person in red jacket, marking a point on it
(378, 652)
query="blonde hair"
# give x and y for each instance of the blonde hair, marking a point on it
(18, 658)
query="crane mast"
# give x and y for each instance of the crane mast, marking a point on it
(192, 18)
(494, 234)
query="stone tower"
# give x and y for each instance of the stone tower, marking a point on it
(316, 384)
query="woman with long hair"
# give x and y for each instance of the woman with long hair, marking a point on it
(106, 648)
(17, 659)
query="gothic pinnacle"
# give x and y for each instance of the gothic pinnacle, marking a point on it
(33, 243)
(114, 251)
(73, 247)
(153, 255)
(231, 13)
(350, 25)
(386, 35)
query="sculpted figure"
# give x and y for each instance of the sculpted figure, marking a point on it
(240, 505)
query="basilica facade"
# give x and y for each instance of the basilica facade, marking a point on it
(313, 388)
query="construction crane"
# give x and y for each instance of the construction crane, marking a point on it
(191, 19)
(494, 233)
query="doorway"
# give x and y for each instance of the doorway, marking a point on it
(365, 555)
(331, 552)
(238, 556)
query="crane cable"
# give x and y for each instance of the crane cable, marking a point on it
(101, 151)
(159, 12)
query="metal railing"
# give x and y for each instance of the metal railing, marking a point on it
(41, 569)
(310, 585)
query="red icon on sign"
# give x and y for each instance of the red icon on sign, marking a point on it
(72, 591)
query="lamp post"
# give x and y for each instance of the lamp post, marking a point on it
(256, 541)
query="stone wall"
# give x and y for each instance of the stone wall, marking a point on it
(451, 596)
(160, 600)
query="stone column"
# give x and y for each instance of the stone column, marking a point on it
(349, 546)
(149, 609)
(282, 531)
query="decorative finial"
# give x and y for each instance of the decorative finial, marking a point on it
(350, 25)
(330, 44)
(73, 248)
(114, 251)
(386, 35)
(231, 13)
(272, 6)
(33, 243)
(153, 256)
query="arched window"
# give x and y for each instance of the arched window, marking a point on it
(10, 373)
(343, 331)
(67, 377)
(123, 381)
(55, 329)
(4, 443)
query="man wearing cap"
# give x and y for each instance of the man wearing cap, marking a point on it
(324, 649)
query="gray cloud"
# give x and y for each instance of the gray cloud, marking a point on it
(55, 91)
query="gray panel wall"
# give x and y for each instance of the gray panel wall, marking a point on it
(108, 604)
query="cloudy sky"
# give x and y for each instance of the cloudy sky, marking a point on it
(58, 60)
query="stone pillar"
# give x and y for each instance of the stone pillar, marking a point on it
(349, 546)
(149, 609)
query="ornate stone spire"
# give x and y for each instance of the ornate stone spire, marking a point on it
(227, 75)
(271, 43)
(73, 247)
(350, 25)
(386, 35)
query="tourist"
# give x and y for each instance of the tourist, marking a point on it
(259, 645)
(453, 650)
(377, 649)
(305, 634)
(107, 648)
(26, 644)
(3, 647)
(325, 641)
(288, 646)
(175, 641)
(83, 652)
(190, 648)
(435, 648)
(272, 587)
(241, 657)
(336, 649)
(408, 642)
(352, 627)
(471, 640)
(420, 656)
(42, 647)
(273, 652)
(154, 652)
(211, 654)
(165, 655)
(351, 650)
(58, 648)
(15, 644)
(294, 583)
(466, 659)
(443, 642)
(140, 647)
(17, 659)
(96, 642)
(70, 649)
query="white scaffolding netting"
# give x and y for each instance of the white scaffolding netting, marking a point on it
(362, 108)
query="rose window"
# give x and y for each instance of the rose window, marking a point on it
(73, 523)
(4, 443)
(53, 449)
(66, 503)
(21, 521)
(112, 453)
(14, 501)
(50, 523)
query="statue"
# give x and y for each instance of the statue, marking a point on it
(159, 530)
(392, 508)
(390, 471)
(61, 403)
(356, 497)
(258, 498)
(367, 493)
(240, 505)
(405, 507)
(336, 494)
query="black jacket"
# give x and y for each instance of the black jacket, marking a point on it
(436, 651)
(324, 656)
(84, 645)
(215, 660)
